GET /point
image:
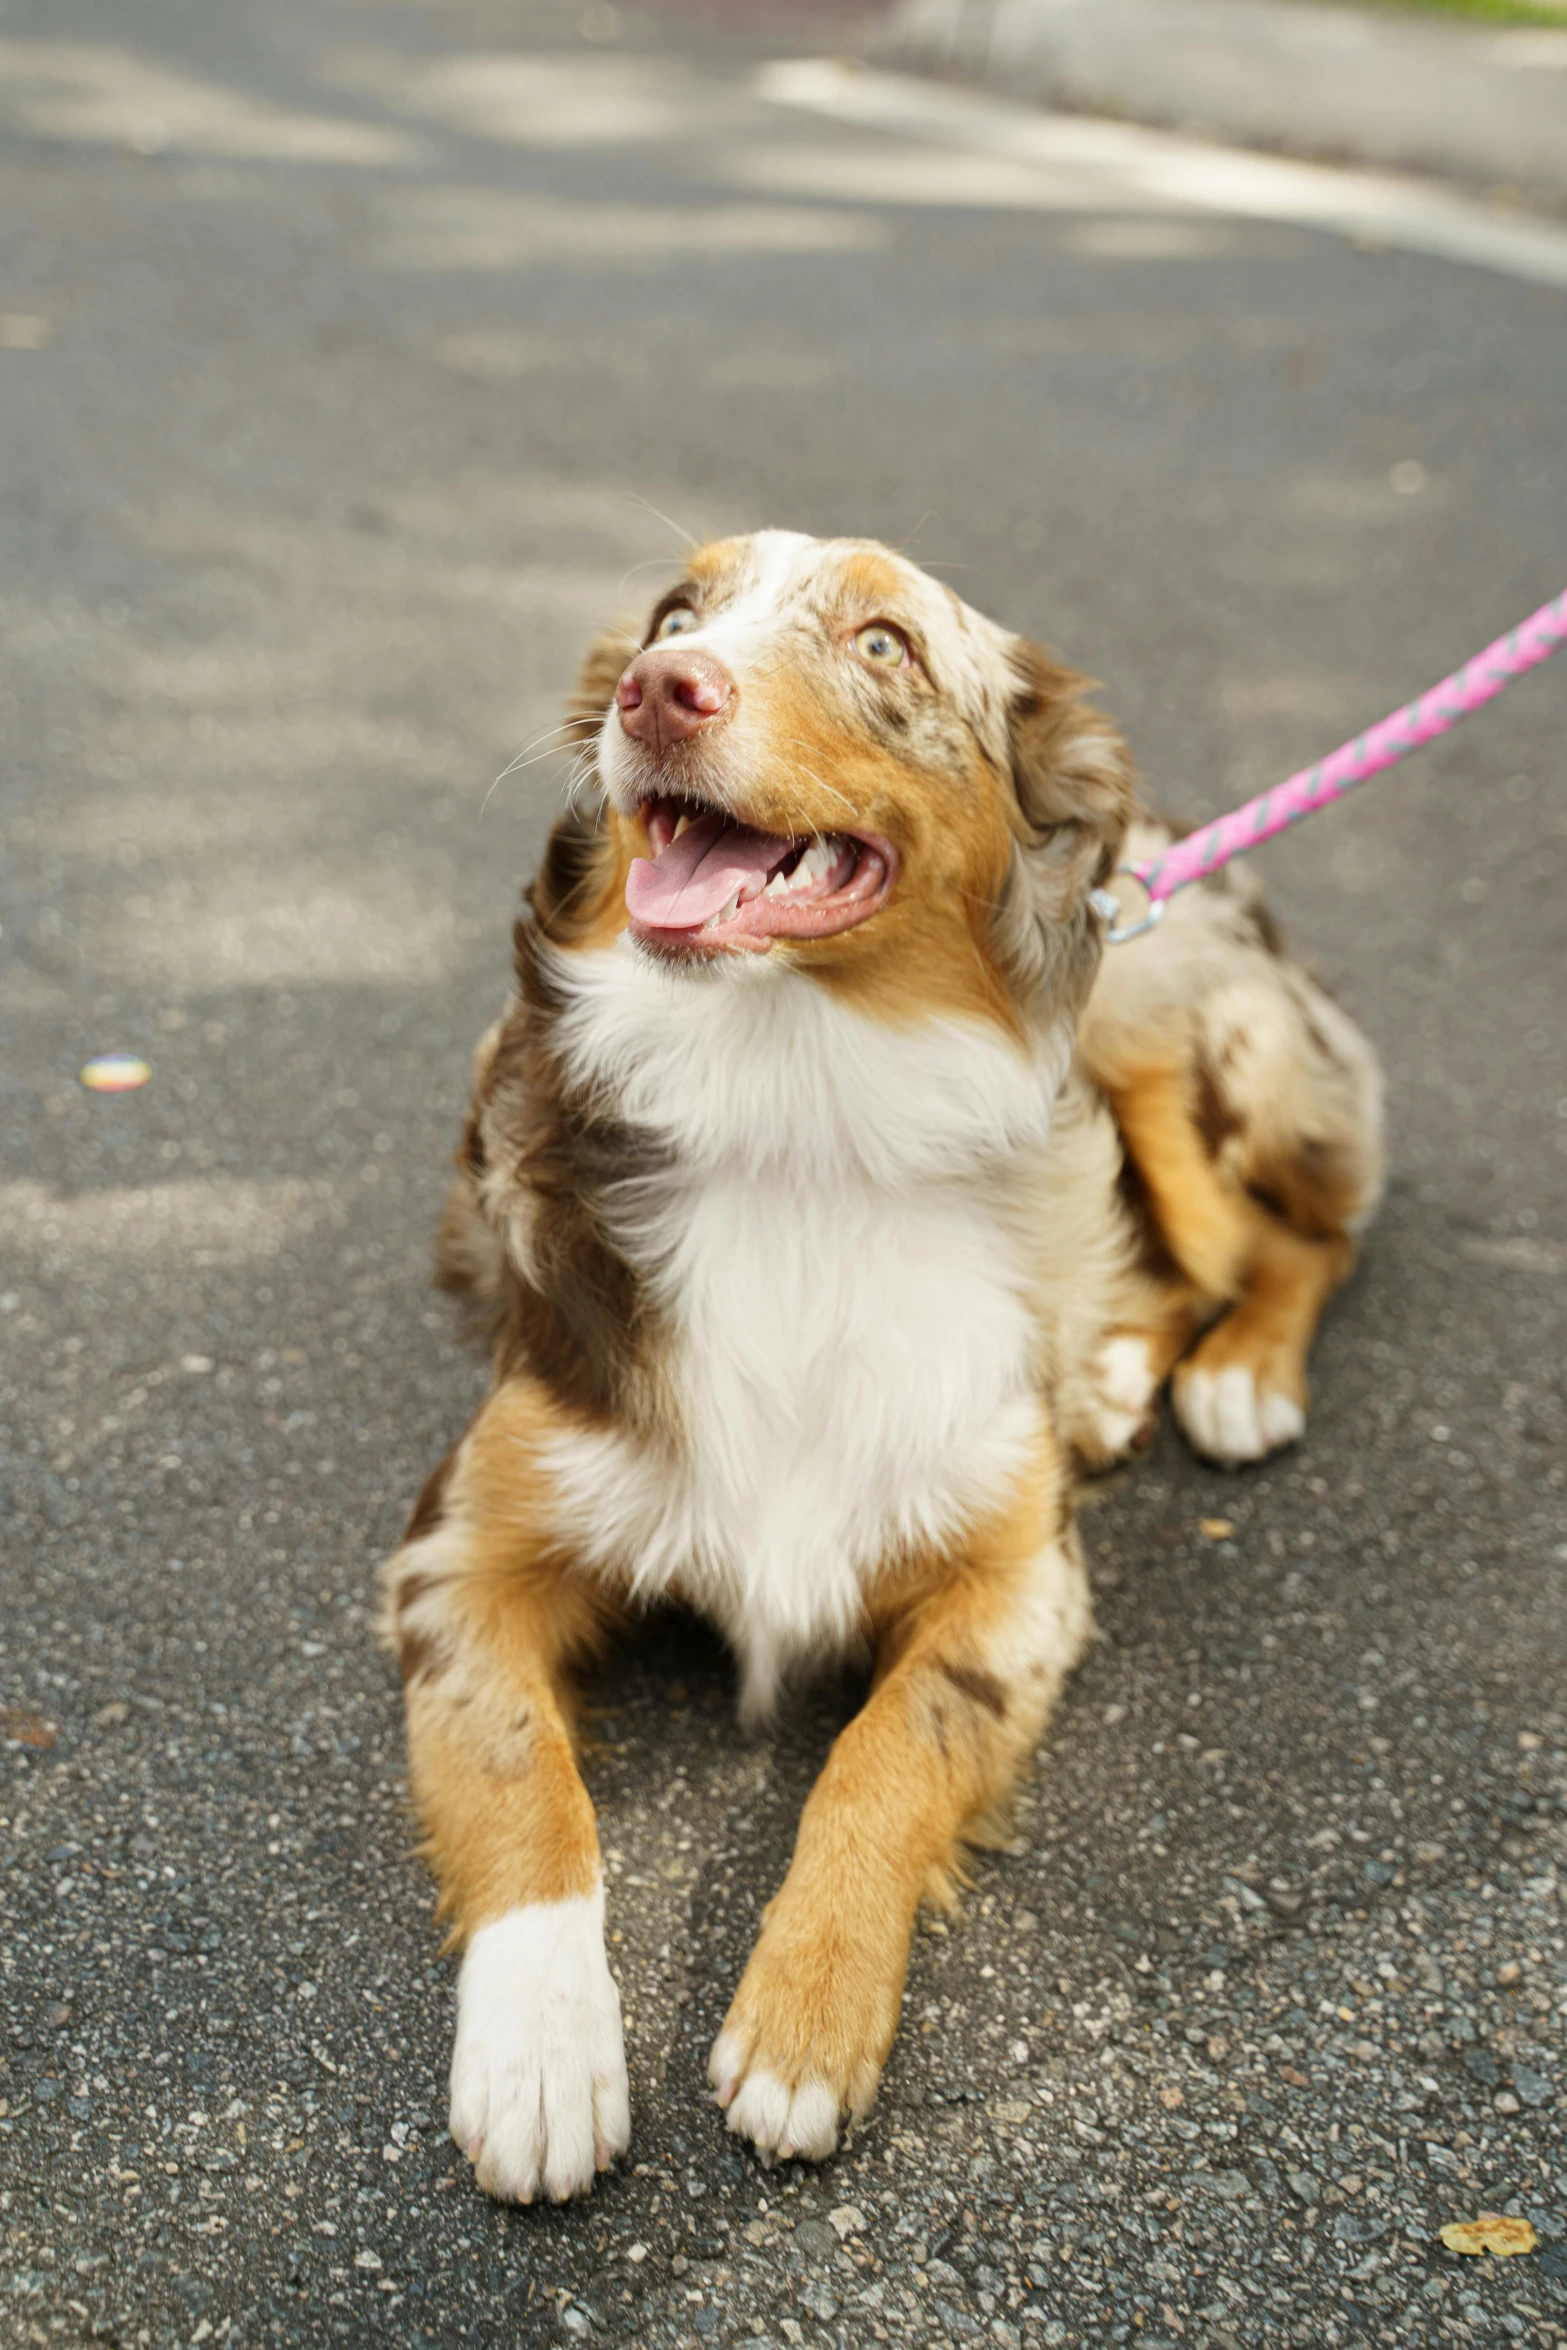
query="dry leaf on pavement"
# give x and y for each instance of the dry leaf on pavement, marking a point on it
(29, 1729)
(1493, 2231)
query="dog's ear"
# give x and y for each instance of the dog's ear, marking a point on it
(566, 894)
(602, 666)
(1074, 791)
(1073, 780)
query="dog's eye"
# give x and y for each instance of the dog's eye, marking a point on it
(881, 645)
(675, 623)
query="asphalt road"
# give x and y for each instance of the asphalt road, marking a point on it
(343, 380)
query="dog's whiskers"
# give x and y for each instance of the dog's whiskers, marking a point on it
(910, 536)
(649, 563)
(582, 772)
(678, 528)
(800, 768)
(564, 727)
(624, 634)
(550, 751)
(560, 727)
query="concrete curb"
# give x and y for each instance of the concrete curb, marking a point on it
(1483, 104)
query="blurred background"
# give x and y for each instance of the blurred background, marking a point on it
(357, 360)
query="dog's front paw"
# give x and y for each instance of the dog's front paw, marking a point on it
(1123, 1399)
(1231, 1412)
(539, 2096)
(803, 2043)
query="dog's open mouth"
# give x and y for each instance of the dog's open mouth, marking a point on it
(714, 882)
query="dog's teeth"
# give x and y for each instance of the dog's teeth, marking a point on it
(727, 913)
(681, 822)
(778, 887)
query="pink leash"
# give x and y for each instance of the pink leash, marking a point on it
(1381, 746)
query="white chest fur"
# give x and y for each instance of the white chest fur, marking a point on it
(851, 1346)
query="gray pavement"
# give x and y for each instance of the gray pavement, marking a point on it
(346, 353)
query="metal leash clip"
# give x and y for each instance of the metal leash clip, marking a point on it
(1108, 907)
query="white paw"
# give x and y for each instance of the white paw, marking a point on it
(539, 2096)
(1228, 1419)
(1124, 1392)
(777, 2120)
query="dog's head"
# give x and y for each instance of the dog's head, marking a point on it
(822, 755)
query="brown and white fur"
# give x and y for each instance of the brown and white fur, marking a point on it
(817, 1262)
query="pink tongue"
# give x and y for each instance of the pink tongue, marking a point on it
(700, 872)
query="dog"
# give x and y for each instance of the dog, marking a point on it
(831, 1202)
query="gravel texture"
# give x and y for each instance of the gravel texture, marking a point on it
(334, 396)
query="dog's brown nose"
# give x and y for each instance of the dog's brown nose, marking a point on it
(670, 693)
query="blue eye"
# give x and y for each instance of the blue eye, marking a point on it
(676, 623)
(881, 646)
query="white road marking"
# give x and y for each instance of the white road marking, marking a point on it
(1071, 163)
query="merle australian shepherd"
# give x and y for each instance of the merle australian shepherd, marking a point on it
(831, 1203)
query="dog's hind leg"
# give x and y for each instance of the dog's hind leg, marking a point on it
(1256, 1134)
(1202, 1218)
(1242, 1392)
(487, 1622)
